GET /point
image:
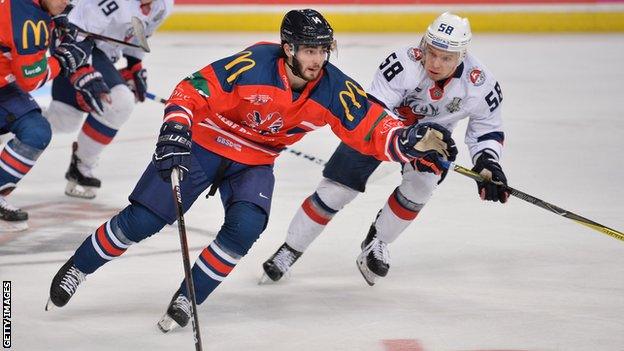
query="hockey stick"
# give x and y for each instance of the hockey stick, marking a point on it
(295, 152)
(541, 203)
(138, 30)
(177, 195)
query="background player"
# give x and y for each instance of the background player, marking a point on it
(25, 28)
(111, 18)
(438, 81)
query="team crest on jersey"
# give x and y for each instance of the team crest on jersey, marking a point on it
(256, 121)
(477, 76)
(436, 92)
(415, 54)
(258, 99)
(454, 105)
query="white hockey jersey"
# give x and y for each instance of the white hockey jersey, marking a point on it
(112, 18)
(472, 92)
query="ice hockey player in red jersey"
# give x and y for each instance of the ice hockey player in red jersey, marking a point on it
(25, 35)
(224, 126)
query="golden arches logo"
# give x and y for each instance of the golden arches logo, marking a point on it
(352, 89)
(243, 58)
(37, 29)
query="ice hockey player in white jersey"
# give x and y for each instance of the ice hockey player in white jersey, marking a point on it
(437, 81)
(110, 18)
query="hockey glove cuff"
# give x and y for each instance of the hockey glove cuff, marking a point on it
(136, 77)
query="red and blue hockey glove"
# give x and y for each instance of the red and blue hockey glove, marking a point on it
(136, 77)
(173, 149)
(428, 144)
(91, 90)
(495, 187)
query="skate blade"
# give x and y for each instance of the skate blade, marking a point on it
(74, 189)
(10, 226)
(369, 276)
(167, 324)
(265, 280)
(49, 305)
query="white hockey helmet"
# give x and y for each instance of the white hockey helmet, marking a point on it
(449, 32)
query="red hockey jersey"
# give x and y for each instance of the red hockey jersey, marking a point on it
(242, 107)
(24, 39)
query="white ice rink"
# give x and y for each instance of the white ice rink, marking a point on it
(466, 276)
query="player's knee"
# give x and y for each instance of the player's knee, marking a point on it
(63, 118)
(118, 111)
(244, 222)
(137, 222)
(35, 132)
(333, 195)
(418, 187)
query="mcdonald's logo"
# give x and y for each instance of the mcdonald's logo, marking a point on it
(37, 29)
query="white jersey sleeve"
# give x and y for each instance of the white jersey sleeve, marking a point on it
(484, 132)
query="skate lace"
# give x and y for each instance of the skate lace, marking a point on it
(284, 259)
(380, 251)
(182, 303)
(6, 206)
(72, 279)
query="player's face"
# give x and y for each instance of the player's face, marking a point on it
(54, 7)
(440, 64)
(311, 59)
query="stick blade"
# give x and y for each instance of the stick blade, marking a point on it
(139, 34)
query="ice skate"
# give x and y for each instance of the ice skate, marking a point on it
(64, 284)
(12, 219)
(374, 261)
(177, 315)
(278, 264)
(80, 181)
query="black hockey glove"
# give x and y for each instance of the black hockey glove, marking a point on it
(428, 144)
(91, 89)
(136, 77)
(495, 188)
(173, 149)
(73, 55)
(62, 27)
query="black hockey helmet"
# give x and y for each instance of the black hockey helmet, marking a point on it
(306, 27)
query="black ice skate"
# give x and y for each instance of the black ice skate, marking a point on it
(12, 219)
(80, 184)
(279, 263)
(178, 314)
(64, 284)
(374, 261)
